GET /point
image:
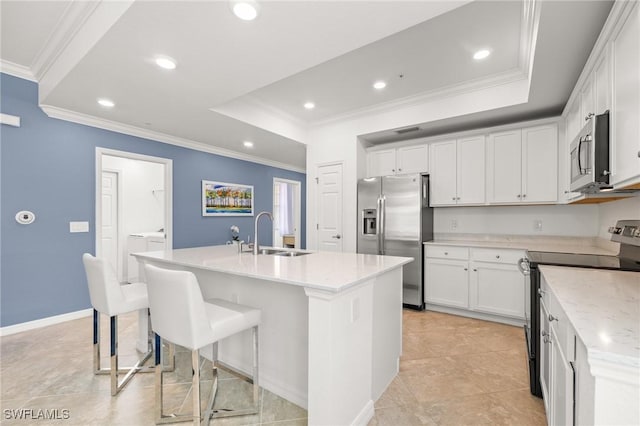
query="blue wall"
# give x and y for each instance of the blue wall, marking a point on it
(48, 166)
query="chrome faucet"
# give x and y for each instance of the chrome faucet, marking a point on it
(256, 248)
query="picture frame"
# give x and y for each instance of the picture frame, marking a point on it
(226, 199)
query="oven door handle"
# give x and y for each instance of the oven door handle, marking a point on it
(579, 153)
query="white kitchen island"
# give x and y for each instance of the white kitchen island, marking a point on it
(331, 332)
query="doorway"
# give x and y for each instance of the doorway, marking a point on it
(133, 208)
(286, 213)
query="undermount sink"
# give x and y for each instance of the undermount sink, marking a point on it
(280, 252)
(269, 251)
(291, 253)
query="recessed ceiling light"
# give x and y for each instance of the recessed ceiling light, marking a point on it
(248, 144)
(247, 10)
(379, 85)
(166, 63)
(106, 103)
(309, 105)
(481, 54)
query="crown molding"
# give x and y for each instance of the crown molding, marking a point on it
(92, 121)
(528, 34)
(17, 70)
(73, 18)
(470, 86)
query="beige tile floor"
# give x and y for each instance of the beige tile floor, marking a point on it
(454, 371)
(459, 371)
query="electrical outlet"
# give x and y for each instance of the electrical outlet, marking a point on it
(537, 225)
(454, 224)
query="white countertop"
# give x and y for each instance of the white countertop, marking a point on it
(533, 243)
(604, 308)
(327, 271)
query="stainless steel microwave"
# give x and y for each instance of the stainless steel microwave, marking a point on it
(590, 156)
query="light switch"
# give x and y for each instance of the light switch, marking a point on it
(78, 226)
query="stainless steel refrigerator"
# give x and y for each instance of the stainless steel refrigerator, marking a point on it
(394, 218)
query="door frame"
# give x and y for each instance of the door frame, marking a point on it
(317, 201)
(119, 233)
(168, 187)
(297, 202)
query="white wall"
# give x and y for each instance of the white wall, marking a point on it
(617, 210)
(561, 220)
(142, 210)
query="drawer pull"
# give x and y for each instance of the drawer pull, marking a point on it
(544, 333)
(540, 292)
(552, 318)
(446, 253)
(497, 256)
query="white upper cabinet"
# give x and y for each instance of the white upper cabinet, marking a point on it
(471, 173)
(626, 102)
(523, 166)
(504, 161)
(602, 83)
(458, 172)
(408, 159)
(382, 163)
(442, 182)
(540, 164)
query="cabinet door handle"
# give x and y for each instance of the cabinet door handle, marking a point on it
(519, 196)
(399, 170)
(497, 256)
(446, 253)
(524, 195)
(453, 198)
(393, 170)
(544, 333)
(606, 173)
(475, 270)
(552, 318)
(466, 269)
(540, 292)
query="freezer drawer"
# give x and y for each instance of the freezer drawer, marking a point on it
(412, 283)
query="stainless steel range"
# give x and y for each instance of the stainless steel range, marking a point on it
(625, 232)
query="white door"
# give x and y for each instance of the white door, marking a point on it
(110, 221)
(329, 207)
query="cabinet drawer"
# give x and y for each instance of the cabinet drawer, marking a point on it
(497, 255)
(447, 252)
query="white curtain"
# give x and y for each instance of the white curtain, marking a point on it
(286, 209)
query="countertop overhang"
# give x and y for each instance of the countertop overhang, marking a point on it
(326, 271)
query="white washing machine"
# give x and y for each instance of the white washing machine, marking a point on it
(140, 242)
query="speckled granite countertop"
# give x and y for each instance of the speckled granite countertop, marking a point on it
(583, 245)
(603, 307)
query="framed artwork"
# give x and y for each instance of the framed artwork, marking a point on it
(226, 199)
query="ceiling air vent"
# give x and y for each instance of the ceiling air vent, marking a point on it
(407, 130)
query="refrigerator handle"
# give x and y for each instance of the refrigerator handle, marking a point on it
(383, 206)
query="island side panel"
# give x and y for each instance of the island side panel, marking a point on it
(387, 330)
(340, 359)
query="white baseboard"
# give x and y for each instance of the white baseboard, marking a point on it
(473, 314)
(365, 415)
(32, 325)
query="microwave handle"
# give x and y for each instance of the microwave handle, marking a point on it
(579, 152)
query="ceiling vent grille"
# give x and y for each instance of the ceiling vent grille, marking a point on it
(407, 130)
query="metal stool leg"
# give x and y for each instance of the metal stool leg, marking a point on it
(114, 370)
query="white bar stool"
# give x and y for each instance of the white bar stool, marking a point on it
(180, 315)
(110, 298)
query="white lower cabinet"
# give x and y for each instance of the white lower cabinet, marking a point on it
(478, 282)
(496, 288)
(448, 282)
(557, 356)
